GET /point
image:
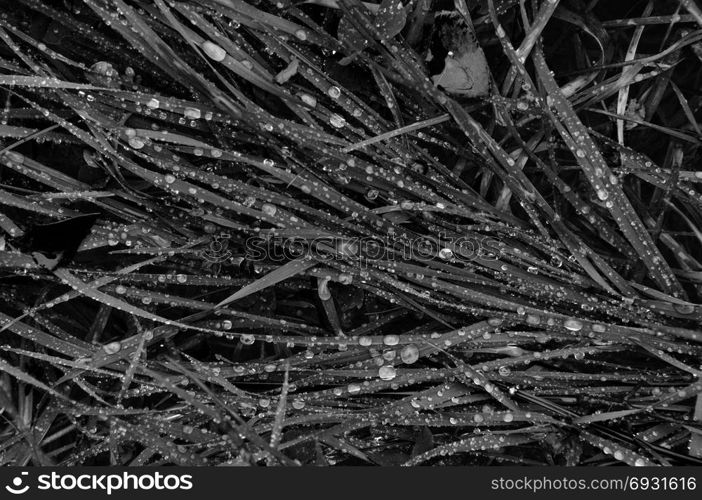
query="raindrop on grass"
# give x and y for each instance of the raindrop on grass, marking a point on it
(311, 101)
(391, 340)
(112, 348)
(684, 308)
(573, 325)
(387, 372)
(192, 113)
(409, 354)
(214, 51)
(269, 209)
(136, 142)
(337, 121)
(446, 253)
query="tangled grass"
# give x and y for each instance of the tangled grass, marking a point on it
(329, 232)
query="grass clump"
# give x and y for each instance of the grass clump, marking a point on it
(333, 232)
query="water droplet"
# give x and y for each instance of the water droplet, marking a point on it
(573, 325)
(112, 348)
(311, 101)
(136, 142)
(391, 340)
(337, 121)
(684, 308)
(192, 113)
(446, 253)
(334, 92)
(214, 51)
(387, 372)
(409, 354)
(365, 341)
(269, 209)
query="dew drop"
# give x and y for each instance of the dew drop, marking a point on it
(573, 325)
(337, 121)
(409, 354)
(365, 341)
(387, 372)
(311, 101)
(391, 340)
(214, 51)
(269, 209)
(445, 253)
(112, 348)
(136, 142)
(192, 113)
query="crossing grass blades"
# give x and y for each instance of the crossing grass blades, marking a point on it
(329, 232)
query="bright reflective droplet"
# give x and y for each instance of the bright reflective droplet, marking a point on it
(269, 209)
(214, 51)
(112, 348)
(391, 340)
(337, 121)
(409, 354)
(387, 372)
(573, 325)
